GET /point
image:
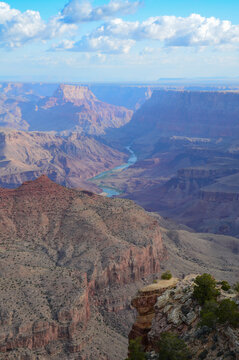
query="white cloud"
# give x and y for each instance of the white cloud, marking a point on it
(101, 44)
(118, 36)
(77, 11)
(193, 30)
(18, 28)
(115, 35)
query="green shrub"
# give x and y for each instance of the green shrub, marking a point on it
(225, 285)
(236, 287)
(136, 351)
(224, 312)
(205, 289)
(166, 275)
(171, 347)
(228, 312)
(208, 314)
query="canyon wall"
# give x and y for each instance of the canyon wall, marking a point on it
(187, 113)
(70, 262)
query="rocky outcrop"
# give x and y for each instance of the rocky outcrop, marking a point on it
(144, 303)
(70, 262)
(176, 311)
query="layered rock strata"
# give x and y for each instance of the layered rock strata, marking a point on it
(69, 263)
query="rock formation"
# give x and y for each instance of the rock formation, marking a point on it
(71, 107)
(76, 107)
(70, 261)
(171, 308)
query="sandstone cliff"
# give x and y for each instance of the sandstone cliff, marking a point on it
(70, 261)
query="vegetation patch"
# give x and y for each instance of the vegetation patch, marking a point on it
(205, 289)
(166, 275)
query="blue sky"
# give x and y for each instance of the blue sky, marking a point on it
(118, 40)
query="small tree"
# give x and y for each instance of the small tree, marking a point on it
(136, 351)
(228, 312)
(205, 289)
(166, 275)
(209, 314)
(171, 347)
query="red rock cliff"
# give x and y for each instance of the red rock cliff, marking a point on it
(70, 262)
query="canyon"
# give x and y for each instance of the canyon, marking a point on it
(185, 142)
(187, 149)
(71, 261)
(68, 160)
(71, 107)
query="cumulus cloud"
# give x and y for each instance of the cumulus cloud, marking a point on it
(77, 11)
(115, 35)
(102, 44)
(18, 28)
(193, 30)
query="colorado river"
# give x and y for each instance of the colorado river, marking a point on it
(110, 191)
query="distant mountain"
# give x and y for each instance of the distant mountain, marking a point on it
(69, 160)
(23, 107)
(27, 90)
(76, 107)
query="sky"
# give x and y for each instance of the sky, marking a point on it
(118, 40)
